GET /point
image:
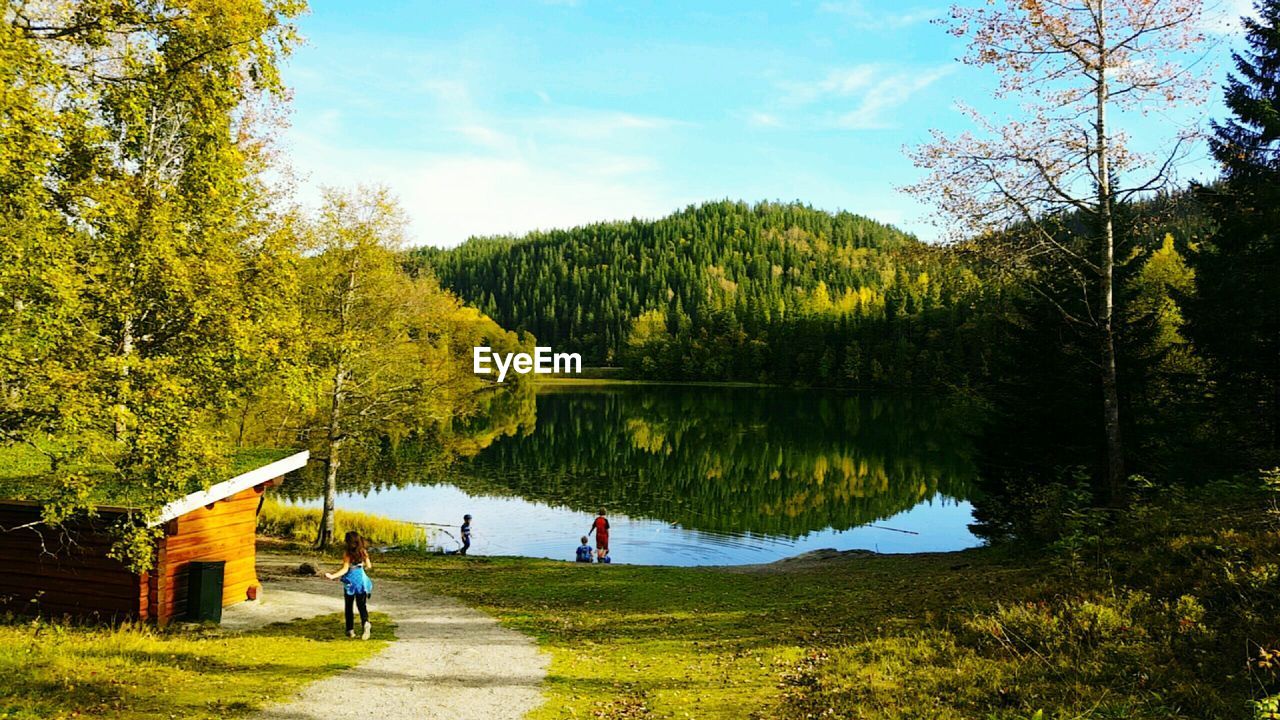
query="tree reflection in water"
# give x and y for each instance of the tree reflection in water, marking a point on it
(779, 462)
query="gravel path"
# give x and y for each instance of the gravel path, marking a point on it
(448, 661)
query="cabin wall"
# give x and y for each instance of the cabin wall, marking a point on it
(226, 531)
(66, 570)
(57, 571)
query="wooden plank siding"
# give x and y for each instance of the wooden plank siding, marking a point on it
(56, 571)
(225, 531)
(64, 571)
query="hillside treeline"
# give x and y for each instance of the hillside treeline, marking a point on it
(772, 293)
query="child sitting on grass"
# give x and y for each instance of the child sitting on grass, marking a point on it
(584, 551)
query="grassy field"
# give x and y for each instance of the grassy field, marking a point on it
(1171, 612)
(637, 641)
(1165, 619)
(50, 671)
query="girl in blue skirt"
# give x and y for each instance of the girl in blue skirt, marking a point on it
(356, 584)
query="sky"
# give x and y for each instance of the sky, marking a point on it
(492, 118)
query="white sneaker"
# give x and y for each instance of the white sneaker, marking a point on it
(368, 628)
(351, 634)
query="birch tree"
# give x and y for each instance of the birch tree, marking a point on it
(139, 249)
(1076, 66)
(385, 350)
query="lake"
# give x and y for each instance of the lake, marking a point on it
(695, 475)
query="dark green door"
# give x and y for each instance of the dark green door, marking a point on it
(204, 590)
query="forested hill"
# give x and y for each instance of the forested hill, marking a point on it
(723, 290)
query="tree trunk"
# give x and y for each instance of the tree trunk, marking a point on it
(333, 460)
(1275, 412)
(1111, 413)
(126, 349)
(244, 418)
(326, 533)
(1110, 383)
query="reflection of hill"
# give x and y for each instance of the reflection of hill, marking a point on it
(426, 460)
(501, 413)
(771, 461)
(766, 461)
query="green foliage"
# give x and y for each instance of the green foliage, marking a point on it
(140, 254)
(383, 355)
(25, 470)
(1236, 313)
(1045, 431)
(759, 460)
(778, 293)
(1092, 656)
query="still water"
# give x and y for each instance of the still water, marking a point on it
(695, 475)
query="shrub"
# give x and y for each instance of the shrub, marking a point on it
(292, 522)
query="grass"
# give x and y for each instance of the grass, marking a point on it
(133, 672)
(300, 524)
(242, 461)
(1170, 614)
(24, 470)
(637, 641)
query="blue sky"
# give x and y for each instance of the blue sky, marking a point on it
(488, 118)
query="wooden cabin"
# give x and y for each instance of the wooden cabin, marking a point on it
(66, 570)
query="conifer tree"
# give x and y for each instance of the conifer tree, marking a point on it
(1237, 314)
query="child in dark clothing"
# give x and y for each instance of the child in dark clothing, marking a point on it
(356, 584)
(466, 534)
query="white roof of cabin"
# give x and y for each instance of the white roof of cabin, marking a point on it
(227, 488)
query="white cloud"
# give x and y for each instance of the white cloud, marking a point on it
(839, 82)
(502, 176)
(463, 158)
(487, 137)
(452, 197)
(873, 89)
(866, 19)
(886, 94)
(764, 119)
(596, 125)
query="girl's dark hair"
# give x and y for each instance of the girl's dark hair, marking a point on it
(355, 547)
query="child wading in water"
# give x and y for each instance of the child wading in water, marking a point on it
(356, 584)
(600, 526)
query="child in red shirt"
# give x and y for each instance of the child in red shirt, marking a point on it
(600, 526)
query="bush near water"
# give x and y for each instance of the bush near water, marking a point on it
(293, 522)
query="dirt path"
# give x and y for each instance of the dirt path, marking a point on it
(448, 660)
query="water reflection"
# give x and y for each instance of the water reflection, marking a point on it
(690, 474)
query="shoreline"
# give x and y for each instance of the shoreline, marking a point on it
(808, 559)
